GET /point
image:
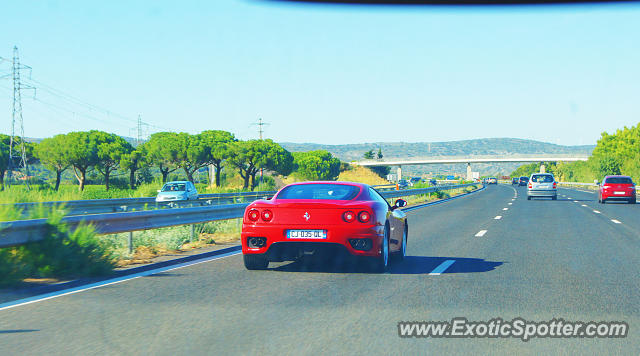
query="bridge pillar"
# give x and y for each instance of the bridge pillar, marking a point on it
(399, 172)
(469, 174)
(543, 169)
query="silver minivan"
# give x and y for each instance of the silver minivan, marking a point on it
(542, 185)
(176, 191)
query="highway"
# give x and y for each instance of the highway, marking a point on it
(572, 258)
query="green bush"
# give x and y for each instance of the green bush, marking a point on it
(62, 253)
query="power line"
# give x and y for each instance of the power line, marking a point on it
(260, 124)
(68, 98)
(72, 99)
(139, 135)
(76, 113)
(16, 115)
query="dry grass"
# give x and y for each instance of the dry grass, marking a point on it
(173, 241)
(361, 175)
(423, 198)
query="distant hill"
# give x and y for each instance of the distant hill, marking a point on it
(476, 147)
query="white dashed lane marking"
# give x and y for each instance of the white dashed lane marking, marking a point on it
(481, 233)
(597, 212)
(498, 217)
(616, 221)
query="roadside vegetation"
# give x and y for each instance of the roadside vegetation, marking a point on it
(617, 153)
(62, 254)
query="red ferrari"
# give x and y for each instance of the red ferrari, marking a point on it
(617, 188)
(329, 218)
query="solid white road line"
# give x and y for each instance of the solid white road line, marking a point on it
(597, 212)
(616, 221)
(481, 233)
(60, 293)
(442, 267)
(497, 217)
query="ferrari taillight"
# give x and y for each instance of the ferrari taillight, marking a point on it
(348, 216)
(364, 216)
(253, 215)
(267, 215)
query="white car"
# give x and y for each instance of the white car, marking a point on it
(177, 191)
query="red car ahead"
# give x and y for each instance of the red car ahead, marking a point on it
(617, 188)
(324, 217)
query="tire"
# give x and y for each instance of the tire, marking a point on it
(528, 198)
(400, 255)
(380, 263)
(255, 262)
(603, 201)
(555, 197)
(632, 201)
(599, 199)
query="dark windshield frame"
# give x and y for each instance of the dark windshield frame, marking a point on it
(178, 185)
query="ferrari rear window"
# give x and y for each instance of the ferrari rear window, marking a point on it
(319, 191)
(618, 180)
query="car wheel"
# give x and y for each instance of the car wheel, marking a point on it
(555, 197)
(255, 262)
(528, 198)
(603, 201)
(400, 255)
(381, 263)
(632, 201)
(599, 199)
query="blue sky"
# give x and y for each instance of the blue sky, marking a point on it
(326, 74)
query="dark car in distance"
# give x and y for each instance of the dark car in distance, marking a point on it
(523, 181)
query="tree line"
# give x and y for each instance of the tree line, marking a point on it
(614, 154)
(107, 153)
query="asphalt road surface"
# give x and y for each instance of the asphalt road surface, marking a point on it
(540, 260)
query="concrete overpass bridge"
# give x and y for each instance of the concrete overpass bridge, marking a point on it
(473, 159)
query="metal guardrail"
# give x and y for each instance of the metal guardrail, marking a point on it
(99, 206)
(418, 191)
(588, 186)
(19, 232)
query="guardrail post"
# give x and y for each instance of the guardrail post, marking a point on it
(193, 232)
(130, 242)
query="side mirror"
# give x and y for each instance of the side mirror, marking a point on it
(399, 203)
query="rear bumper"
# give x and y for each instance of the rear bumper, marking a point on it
(627, 196)
(542, 192)
(280, 248)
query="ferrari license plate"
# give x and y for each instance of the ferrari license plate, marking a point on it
(620, 193)
(307, 234)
